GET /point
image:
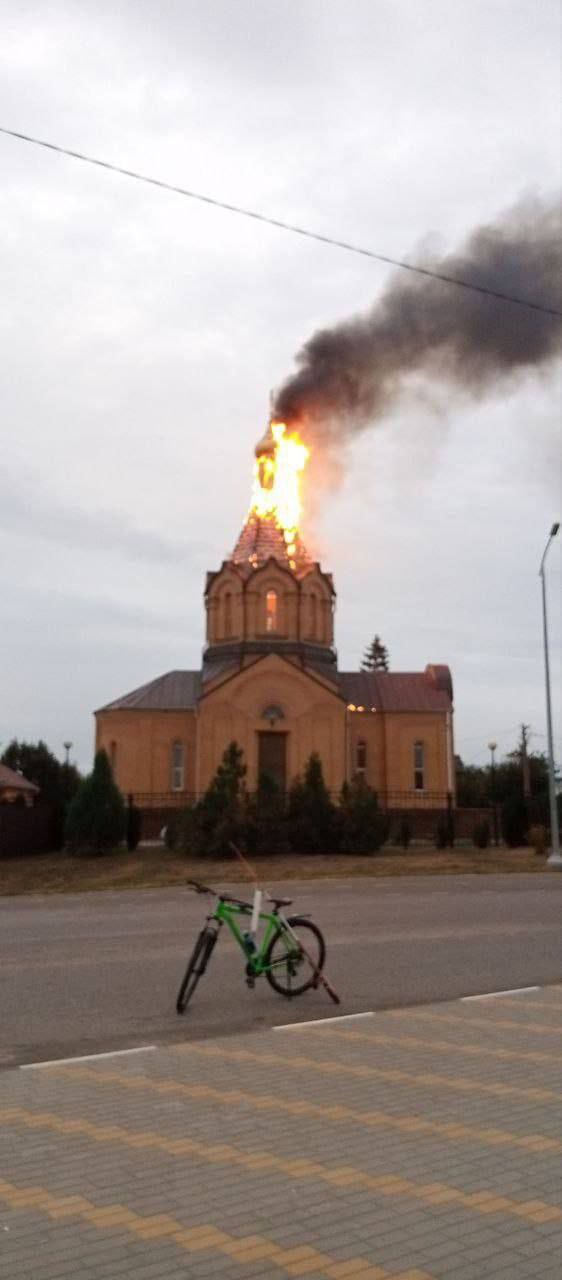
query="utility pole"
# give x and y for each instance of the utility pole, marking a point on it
(525, 768)
(492, 747)
(554, 859)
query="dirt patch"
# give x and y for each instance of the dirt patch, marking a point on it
(156, 867)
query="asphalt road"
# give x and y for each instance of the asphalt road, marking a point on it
(96, 972)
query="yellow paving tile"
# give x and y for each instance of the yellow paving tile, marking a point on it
(303, 1267)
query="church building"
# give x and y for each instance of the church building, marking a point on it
(269, 679)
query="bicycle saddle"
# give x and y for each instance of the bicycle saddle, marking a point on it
(280, 902)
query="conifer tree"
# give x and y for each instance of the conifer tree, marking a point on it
(312, 818)
(376, 656)
(96, 818)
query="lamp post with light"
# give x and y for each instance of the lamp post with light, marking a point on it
(492, 749)
(554, 859)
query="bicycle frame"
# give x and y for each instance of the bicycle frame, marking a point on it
(226, 913)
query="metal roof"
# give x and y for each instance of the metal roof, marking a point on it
(175, 691)
(397, 690)
(11, 780)
(429, 690)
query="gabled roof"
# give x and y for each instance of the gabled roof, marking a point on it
(10, 780)
(398, 690)
(428, 690)
(175, 691)
(318, 672)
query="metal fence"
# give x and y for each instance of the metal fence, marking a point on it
(387, 799)
(24, 831)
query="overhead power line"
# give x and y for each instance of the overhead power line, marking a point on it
(284, 226)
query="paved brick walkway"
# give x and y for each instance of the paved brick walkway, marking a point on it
(416, 1144)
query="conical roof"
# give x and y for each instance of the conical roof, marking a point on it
(262, 538)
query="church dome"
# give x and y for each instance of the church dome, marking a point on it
(262, 539)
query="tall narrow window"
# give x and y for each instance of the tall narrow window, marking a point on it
(313, 617)
(271, 611)
(361, 756)
(113, 757)
(419, 766)
(227, 614)
(178, 766)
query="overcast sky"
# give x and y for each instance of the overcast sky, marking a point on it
(142, 334)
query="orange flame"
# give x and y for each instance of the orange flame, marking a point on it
(276, 489)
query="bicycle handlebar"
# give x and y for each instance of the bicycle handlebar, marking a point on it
(201, 888)
(224, 897)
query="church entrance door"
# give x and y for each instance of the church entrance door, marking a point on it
(272, 757)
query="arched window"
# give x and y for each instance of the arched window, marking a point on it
(271, 611)
(178, 766)
(227, 614)
(313, 616)
(419, 766)
(361, 756)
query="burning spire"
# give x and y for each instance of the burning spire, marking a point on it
(272, 524)
(276, 491)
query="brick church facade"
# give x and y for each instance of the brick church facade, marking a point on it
(269, 679)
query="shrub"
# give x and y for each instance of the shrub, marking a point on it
(311, 817)
(219, 817)
(442, 834)
(266, 828)
(514, 820)
(362, 828)
(404, 833)
(538, 836)
(481, 834)
(96, 816)
(182, 833)
(133, 829)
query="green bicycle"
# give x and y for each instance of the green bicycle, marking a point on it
(291, 953)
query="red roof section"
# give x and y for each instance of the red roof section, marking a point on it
(12, 781)
(398, 690)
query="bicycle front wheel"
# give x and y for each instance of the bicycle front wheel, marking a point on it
(199, 959)
(291, 967)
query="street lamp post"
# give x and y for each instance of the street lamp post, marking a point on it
(554, 859)
(492, 748)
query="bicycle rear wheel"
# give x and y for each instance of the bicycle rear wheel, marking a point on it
(290, 971)
(200, 957)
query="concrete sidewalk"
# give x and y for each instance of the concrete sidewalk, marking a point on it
(419, 1143)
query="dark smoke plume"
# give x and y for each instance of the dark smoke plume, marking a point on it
(350, 375)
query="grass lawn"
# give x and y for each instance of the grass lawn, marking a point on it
(154, 866)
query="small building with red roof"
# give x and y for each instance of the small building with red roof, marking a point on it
(14, 788)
